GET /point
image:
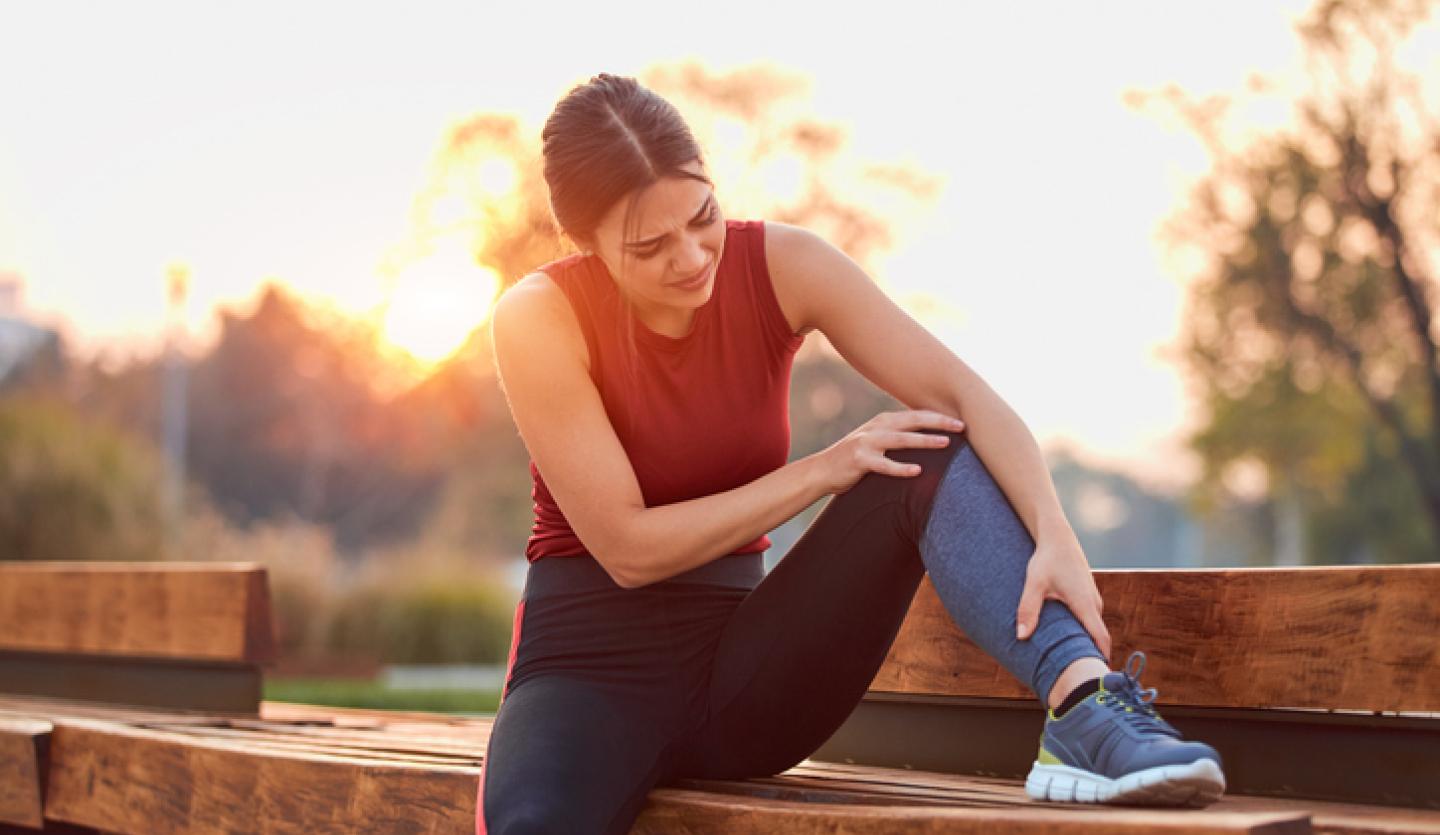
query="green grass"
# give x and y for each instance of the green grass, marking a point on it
(372, 694)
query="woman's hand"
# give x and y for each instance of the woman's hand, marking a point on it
(1058, 570)
(863, 450)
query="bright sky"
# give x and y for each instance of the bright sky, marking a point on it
(288, 140)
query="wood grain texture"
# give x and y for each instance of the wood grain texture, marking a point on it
(189, 610)
(24, 747)
(336, 765)
(701, 813)
(1360, 638)
(142, 781)
(148, 781)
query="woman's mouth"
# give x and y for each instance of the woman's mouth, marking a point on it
(695, 282)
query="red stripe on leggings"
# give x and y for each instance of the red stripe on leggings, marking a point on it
(505, 688)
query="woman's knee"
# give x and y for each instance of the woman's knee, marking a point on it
(914, 495)
(526, 816)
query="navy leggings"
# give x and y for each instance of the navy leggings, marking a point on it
(727, 672)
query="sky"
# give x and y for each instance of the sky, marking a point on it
(268, 141)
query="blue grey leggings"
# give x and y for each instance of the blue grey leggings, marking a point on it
(727, 672)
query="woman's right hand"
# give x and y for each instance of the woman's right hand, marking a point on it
(863, 450)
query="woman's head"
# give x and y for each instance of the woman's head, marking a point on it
(627, 181)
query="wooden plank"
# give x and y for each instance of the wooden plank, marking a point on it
(704, 813)
(812, 797)
(146, 781)
(24, 745)
(150, 782)
(1354, 637)
(193, 610)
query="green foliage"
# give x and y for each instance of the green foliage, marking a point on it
(376, 696)
(1308, 335)
(430, 621)
(72, 488)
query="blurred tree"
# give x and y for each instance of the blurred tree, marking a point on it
(1310, 332)
(74, 489)
(286, 420)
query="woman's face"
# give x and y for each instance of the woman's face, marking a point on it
(665, 262)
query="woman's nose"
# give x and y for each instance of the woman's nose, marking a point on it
(689, 256)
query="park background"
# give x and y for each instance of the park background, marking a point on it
(247, 257)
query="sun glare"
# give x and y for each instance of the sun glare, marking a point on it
(437, 302)
(497, 177)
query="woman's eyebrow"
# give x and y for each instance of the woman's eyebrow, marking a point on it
(648, 241)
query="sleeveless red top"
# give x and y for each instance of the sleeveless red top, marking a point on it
(702, 413)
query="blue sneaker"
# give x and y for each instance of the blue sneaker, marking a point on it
(1113, 747)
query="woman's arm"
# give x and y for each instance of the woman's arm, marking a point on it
(819, 286)
(542, 360)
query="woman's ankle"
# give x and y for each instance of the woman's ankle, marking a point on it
(1080, 671)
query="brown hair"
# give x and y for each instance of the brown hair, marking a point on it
(607, 140)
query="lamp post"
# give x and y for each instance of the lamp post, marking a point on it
(173, 403)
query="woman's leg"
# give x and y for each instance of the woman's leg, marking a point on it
(798, 654)
(565, 756)
(595, 693)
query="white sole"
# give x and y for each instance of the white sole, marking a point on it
(1195, 784)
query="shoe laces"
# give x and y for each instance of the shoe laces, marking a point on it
(1133, 704)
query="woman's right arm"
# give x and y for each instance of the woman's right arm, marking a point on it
(542, 361)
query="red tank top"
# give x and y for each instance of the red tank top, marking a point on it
(703, 413)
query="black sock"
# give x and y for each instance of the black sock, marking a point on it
(1077, 695)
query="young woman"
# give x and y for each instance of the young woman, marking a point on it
(648, 375)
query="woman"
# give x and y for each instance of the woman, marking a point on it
(648, 375)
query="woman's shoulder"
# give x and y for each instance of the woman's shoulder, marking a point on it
(787, 251)
(535, 314)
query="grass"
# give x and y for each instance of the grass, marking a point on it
(373, 694)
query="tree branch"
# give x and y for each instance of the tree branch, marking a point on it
(1380, 211)
(1413, 451)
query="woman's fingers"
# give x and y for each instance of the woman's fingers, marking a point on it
(1095, 625)
(896, 440)
(889, 466)
(1086, 606)
(1031, 599)
(928, 419)
(1037, 590)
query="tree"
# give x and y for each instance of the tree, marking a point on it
(1310, 332)
(286, 420)
(72, 488)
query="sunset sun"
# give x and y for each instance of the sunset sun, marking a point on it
(436, 303)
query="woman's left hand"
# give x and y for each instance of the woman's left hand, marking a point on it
(1059, 571)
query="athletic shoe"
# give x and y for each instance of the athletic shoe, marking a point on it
(1113, 747)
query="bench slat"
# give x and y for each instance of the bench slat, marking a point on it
(181, 610)
(23, 756)
(1361, 638)
(152, 781)
(812, 797)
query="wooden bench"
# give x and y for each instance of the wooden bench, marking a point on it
(1313, 682)
(88, 762)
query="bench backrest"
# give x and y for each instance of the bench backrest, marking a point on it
(1336, 638)
(168, 634)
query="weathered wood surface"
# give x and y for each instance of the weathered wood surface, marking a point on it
(23, 754)
(184, 610)
(1362, 638)
(301, 768)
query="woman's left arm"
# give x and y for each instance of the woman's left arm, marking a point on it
(820, 287)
